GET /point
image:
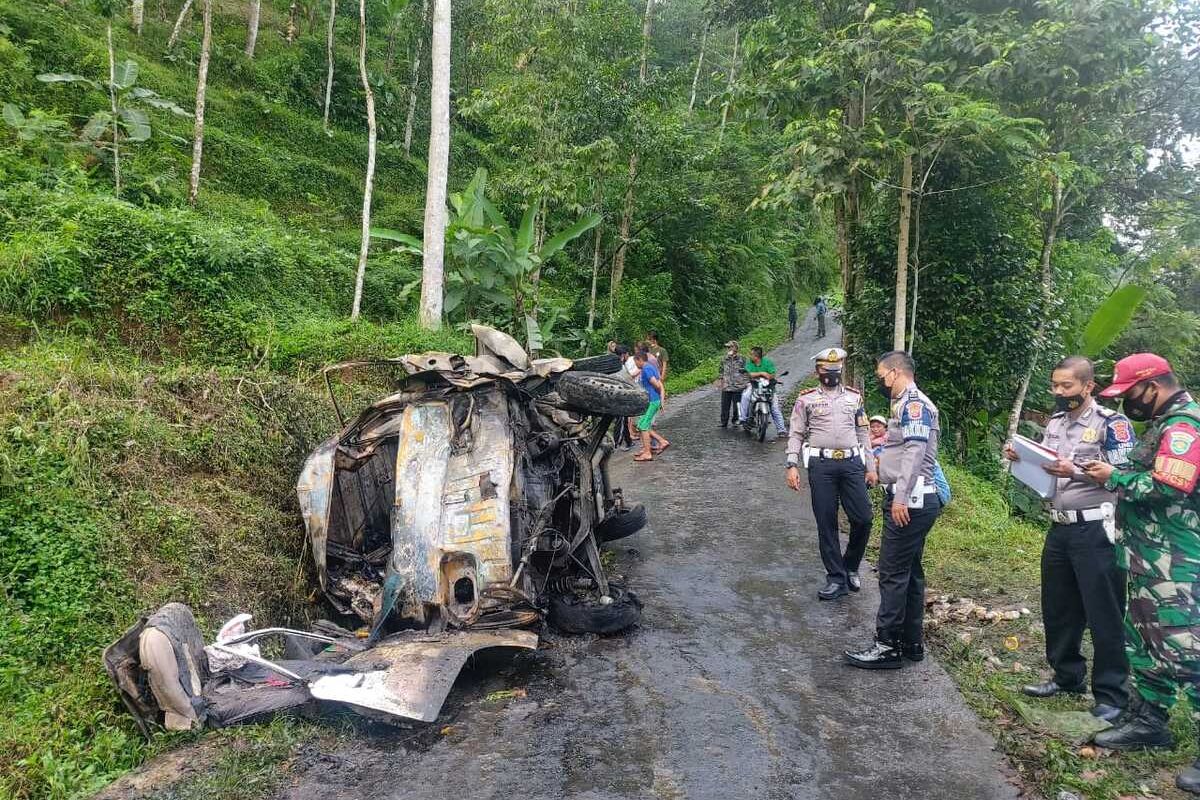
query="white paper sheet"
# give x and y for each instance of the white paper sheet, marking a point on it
(1028, 468)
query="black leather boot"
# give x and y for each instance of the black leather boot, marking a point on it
(883, 654)
(1144, 729)
(853, 582)
(1189, 779)
(1051, 688)
(833, 591)
(913, 651)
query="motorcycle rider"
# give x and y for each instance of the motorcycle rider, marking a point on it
(759, 366)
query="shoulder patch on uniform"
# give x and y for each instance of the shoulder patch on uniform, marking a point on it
(808, 391)
(1177, 463)
(1120, 430)
(916, 421)
(852, 390)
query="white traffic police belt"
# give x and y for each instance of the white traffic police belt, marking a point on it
(836, 455)
(1105, 512)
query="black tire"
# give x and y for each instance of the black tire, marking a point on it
(604, 364)
(762, 428)
(601, 394)
(570, 613)
(622, 524)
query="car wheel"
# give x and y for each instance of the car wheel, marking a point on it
(601, 394)
(570, 613)
(622, 524)
(606, 363)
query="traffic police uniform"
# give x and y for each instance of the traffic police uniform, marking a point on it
(1082, 584)
(906, 468)
(829, 435)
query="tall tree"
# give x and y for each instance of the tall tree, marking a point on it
(252, 27)
(292, 29)
(733, 62)
(699, 67)
(112, 99)
(183, 13)
(414, 78)
(329, 60)
(138, 11)
(433, 267)
(618, 270)
(201, 89)
(369, 182)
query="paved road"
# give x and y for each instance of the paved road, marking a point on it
(732, 687)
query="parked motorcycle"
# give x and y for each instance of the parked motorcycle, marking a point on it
(762, 394)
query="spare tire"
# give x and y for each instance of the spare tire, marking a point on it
(601, 394)
(606, 363)
(622, 524)
(570, 613)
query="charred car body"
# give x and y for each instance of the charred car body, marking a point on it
(464, 506)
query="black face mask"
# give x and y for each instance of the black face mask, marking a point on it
(829, 379)
(1068, 402)
(1140, 409)
(885, 390)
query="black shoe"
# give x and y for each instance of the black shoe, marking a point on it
(1106, 712)
(1189, 779)
(1051, 688)
(880, 655)
(833, 591)
(853, 581)
(913, 652)
(1147, 728)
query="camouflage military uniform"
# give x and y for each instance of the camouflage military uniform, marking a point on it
(1159, 512)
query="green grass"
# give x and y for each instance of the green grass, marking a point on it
(977, 550)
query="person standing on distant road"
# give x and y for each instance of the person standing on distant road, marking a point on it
(821, 308)
(734, 381)
(829, 438)
(1083, 587)
(793, 318)
(907, 467)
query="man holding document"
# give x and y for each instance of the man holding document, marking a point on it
(1082, 584)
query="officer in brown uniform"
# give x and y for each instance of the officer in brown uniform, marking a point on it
(1082, 584)
(829, 435)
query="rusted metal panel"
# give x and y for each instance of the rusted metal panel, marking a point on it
(314, 489)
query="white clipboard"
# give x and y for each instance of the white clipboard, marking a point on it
(1028, 467)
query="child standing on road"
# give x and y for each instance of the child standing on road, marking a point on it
(651, 381)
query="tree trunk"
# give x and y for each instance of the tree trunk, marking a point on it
(138, 11)
(414, 78)
(433, 268)
(1050, 224)
(391, 48)
(906, 182)
(699, 67)
(916, 269)
(252, 27)
(201, 88)
(591, 323)
(732, 76)
(291, 31)
(183, 12)
(116, 125)
(369, 183)
(329, 61)
(162, 10)
(618, 270)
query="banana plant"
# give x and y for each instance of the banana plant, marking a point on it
(493, 265)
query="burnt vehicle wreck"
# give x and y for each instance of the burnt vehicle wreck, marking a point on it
(448, 517)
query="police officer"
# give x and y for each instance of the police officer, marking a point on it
(1082, 584)
(829, 434)
(906, 466)
(1159, 513)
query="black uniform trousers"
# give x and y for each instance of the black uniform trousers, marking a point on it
(844, 481)
(729, 404)
(1082, 587)
(901, 574)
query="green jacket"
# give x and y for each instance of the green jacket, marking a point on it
(1159, 505)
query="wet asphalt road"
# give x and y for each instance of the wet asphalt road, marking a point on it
(732, 687)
